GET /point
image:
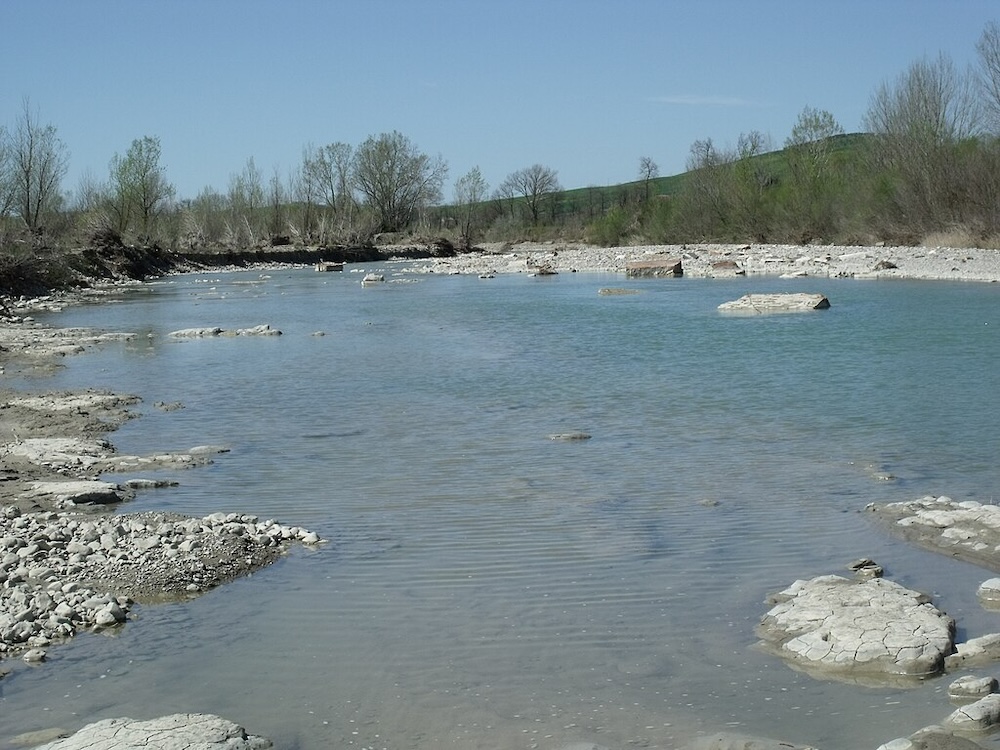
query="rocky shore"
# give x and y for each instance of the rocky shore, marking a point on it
(721, 261)
(67, 561)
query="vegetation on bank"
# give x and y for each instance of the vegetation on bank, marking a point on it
(927, 169)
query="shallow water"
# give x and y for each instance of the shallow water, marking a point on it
(486, 587)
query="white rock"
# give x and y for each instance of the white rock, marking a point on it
(980, 716)
(175, 732)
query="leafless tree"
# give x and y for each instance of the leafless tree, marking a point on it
(246, 198)
(470, 192)
(988, 48)
(396, 179)
(39, 162)
(278, 201)
(649, 170)
(919, 121)
(534, 184)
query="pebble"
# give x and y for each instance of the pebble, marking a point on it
(49, 561)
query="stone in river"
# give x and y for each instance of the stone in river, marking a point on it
(759, 304)
(851, 629)
(174, 732)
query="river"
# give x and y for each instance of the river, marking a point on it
(485, 586)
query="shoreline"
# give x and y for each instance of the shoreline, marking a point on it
(729, 260)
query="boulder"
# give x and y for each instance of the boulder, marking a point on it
(981, 716)
(174, 732)
(970, 688)
(989, 593)
(975, 652)
(654, 268)
(857, 629)
(760, 304)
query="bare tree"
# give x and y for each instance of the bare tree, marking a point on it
(7, 183)
(988, 48)
(396, 179)
(534, 184)
(40, 161)
(278, 201)
(326, 180)
(649, 170)
(246, 197)
(470, 193)
(205, 218)
(753, 183)
(705, 203)
(919, 121)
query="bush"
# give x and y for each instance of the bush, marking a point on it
(610, 229)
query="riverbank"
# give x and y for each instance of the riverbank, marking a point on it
(722, 261)
(68, 562)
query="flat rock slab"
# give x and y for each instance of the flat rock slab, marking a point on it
(968, 530)
(78, 492)
(654, 267)
(845, 628)
(175, 732)
(762, 304)
(200, 333)
(64, 453)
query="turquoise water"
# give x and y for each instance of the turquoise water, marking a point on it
(486, 587)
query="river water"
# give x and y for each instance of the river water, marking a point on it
(487, 587)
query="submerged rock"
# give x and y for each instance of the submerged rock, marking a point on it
(735, 741)
(174, 732)
(970, 688)
(846, 628)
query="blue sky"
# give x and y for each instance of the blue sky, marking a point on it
(586, 87)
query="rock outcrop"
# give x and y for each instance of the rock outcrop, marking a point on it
(857, 630)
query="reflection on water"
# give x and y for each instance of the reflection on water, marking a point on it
(486, 587)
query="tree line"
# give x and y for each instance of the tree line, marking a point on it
(928, 163)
